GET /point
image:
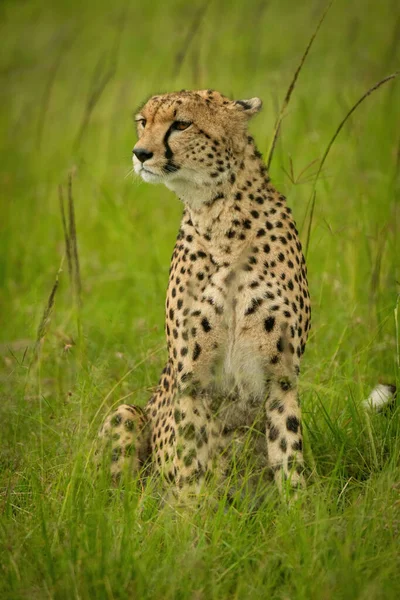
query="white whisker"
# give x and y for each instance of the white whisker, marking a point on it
(130, 172)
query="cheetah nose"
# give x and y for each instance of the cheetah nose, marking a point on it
(142, 154)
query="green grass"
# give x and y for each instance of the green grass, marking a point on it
(71, 75)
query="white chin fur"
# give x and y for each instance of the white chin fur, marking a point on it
(150, 177)
(145, 174)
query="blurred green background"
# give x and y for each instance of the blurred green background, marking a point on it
(71, 76)
(73, 73)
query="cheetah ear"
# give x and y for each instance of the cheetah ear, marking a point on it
(250, 107)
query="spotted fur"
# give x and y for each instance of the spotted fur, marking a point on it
(237, 306)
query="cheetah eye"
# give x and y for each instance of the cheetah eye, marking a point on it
(180, 125)
(142, 122)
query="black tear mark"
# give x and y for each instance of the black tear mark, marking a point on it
(168, 152)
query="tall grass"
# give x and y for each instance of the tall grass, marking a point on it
(71, 75)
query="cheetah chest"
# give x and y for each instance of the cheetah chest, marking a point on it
(210, 343)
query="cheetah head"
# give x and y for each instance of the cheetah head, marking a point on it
(191, 139)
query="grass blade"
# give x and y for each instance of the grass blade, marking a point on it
(190, 35)
(47, 93)
(396, 320)
(99, 84)
(291, 88)
(356, 105)
(45, 320)
(65, 230)
(332, 141)
(102, 77)
(73, 244)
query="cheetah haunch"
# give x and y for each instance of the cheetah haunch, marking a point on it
(237, 306)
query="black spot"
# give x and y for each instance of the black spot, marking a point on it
(276, 405)
(298, 446)
(116, 420)
(285, 384)
(292, 424)
(269, 324)
(205, 325)
(129, 425)
(279, 345)
(116, 453)
(254, 305)
(273, 433)
(196, 351)
(283, 445)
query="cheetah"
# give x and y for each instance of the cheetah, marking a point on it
(237, 306)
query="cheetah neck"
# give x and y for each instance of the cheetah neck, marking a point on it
(229, 210)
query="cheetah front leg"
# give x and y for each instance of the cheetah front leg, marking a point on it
(196, 444)
(126, 437)
(284, 439)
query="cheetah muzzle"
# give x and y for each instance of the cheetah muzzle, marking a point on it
(237, 306)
